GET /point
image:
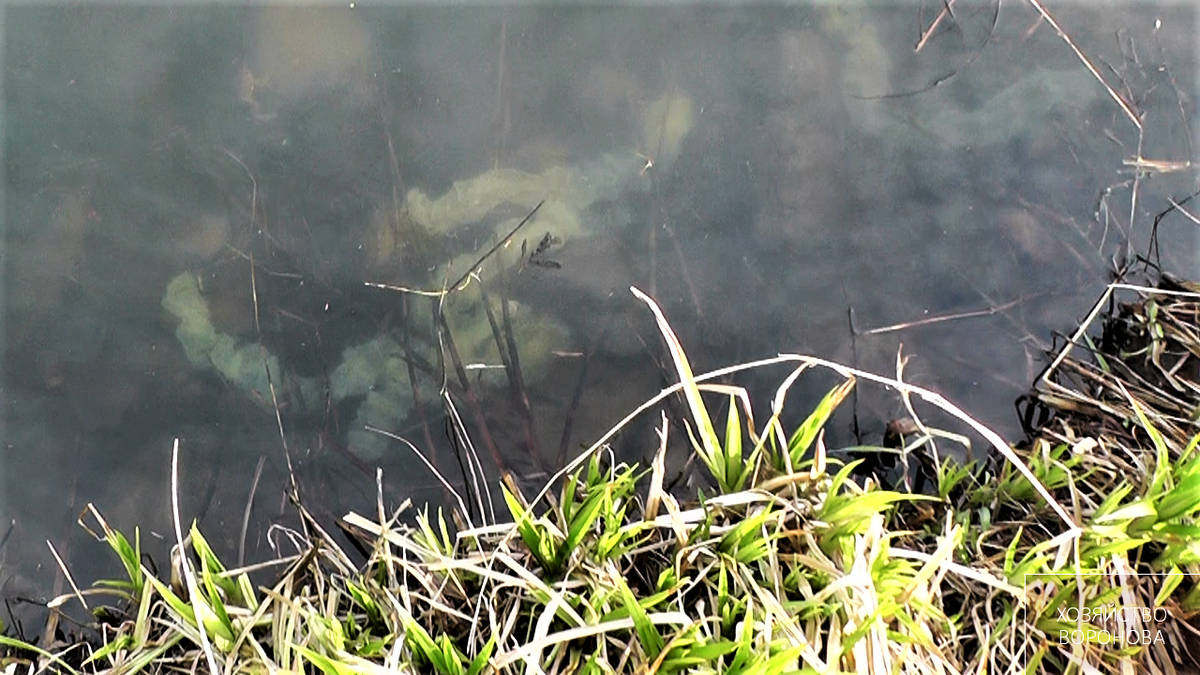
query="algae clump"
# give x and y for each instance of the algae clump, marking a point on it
(195, 332)
(375, 373)
(240, 363)
(469, 201)
(668, 122)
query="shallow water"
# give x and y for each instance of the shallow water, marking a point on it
(811, 185)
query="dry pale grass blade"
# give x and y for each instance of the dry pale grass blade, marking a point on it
(743, 398)
(777, 410)
(533, 582)
(186, 565)
(525, 651)
(658, 468)
(928, 32)
(933, 564)
(974, 574)
(787, 624)
(704, 425)
(462, 506)
(75, 592)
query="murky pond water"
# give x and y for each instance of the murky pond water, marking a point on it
(198, 202)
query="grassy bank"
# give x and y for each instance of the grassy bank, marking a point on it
(1070, 553)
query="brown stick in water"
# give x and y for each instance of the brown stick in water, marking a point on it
(569, 422)
(506, 346)
(468, 392)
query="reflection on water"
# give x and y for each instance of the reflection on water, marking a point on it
(194, 193)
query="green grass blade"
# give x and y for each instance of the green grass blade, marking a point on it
(451, 656)
(1170, 583)
(422, 646)
(537, 539)
(805, 434)
(485, 655)
(14, 643)
(580, 524)
(1181, 501)
(734, 465)
(709, 445)
(181, 608)
(340, 666)
(647, 634)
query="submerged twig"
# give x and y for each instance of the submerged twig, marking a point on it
(685, 273)
(577, 396)
(249, 507)
(468, 391)
(506, 345)
(955, 316)
(461, 282)
(518, 382)
(287, 453)
(501, 111)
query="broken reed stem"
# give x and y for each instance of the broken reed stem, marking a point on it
(63, 574)
(501, 345)
(518, 383)
(454, 428)
(468, 392)
(506, 345)
(496, 247)
(954, 316)
(946, 11)
(185, 563)
(577, 396)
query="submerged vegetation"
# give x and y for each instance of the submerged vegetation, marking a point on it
(1072, 552)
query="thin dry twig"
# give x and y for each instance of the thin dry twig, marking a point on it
(577, 396)
(287, 453)
(946, 12)
(956, 316)
(1125, 108)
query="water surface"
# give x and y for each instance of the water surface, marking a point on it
(808, 165)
